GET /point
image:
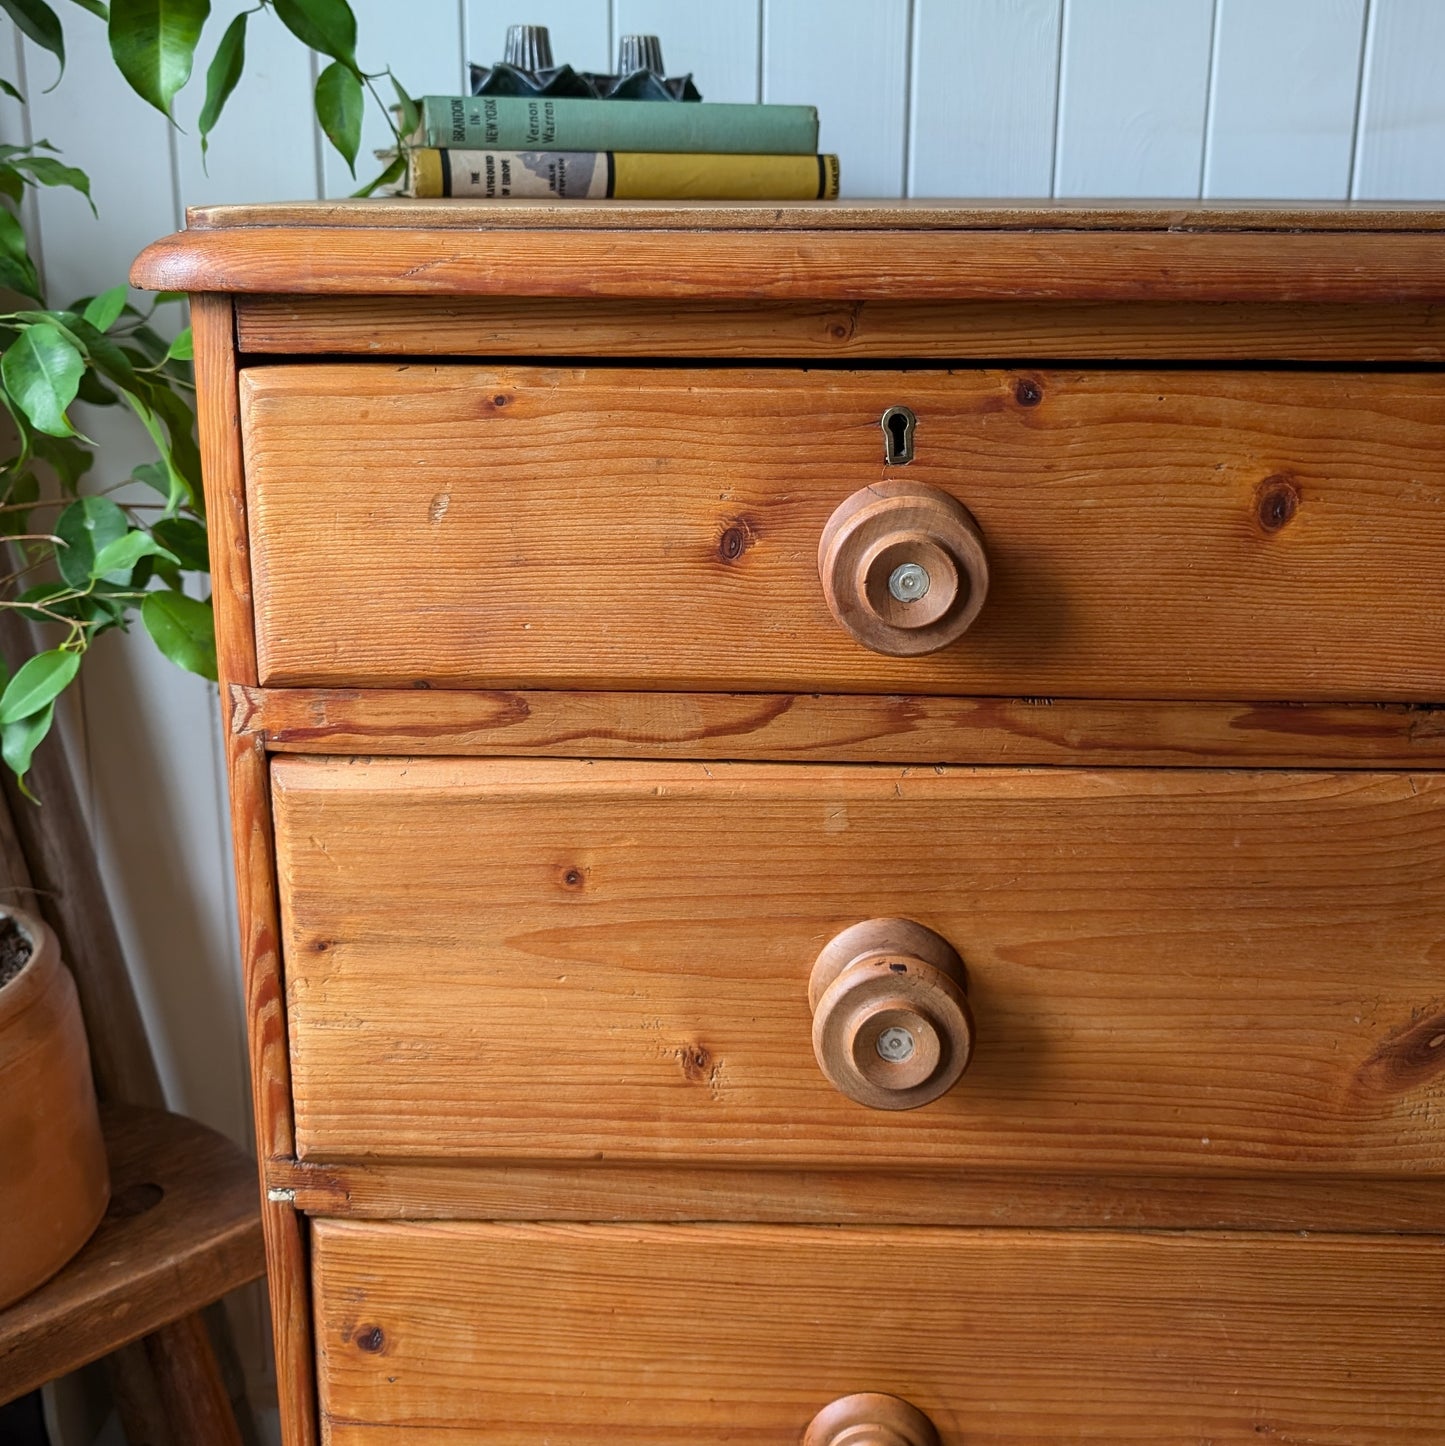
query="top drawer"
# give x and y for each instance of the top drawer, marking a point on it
(1169, 534)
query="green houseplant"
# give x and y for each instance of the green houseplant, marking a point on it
(83, 563)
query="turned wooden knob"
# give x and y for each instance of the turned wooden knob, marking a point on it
(891, 1024)
(870, 1419)
(903, 568)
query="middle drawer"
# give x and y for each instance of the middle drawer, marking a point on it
(1175, 971)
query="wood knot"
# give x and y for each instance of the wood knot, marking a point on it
(736, 537)
(1410, 1059)
(500, 400)
(701, 1068)
(695, 1061)
(371, 1339)
(573, 878)
(1276, 500)
(1027, 392)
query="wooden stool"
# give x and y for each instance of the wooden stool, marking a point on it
(184, 1224)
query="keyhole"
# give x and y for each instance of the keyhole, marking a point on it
(898, 424)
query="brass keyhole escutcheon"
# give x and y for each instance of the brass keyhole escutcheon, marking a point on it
(898, 424)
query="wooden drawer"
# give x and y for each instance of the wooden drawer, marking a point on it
(600, 1335)
(1151, 534)
(1172, 971)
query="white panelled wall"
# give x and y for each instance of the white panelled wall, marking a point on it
(1321, 99)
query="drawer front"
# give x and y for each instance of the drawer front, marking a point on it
(1176, 534)
(600, 1335)
(1168, 972)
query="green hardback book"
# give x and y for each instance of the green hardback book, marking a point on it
(542, 123)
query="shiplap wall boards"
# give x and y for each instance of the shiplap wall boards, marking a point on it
(1322, 99)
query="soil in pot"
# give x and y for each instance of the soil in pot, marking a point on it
(15, 949)
(54, 1183)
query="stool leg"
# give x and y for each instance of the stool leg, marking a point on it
(168, 1389)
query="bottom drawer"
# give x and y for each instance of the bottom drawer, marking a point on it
(598, 1335)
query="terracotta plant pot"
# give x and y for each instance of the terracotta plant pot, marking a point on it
(54, 1185)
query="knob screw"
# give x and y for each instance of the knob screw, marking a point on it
(895, 1044)
(909, 582)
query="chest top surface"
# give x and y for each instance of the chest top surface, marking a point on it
(918, 250)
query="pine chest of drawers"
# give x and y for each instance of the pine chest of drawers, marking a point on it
(839, 818)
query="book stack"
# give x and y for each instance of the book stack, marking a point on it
(539, 146)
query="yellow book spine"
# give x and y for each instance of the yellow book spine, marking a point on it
(628, 175)
(652, 176)
(424, 171)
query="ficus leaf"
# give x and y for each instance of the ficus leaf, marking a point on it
(183, 629)
(94, 392)
(19, 492)
(182, 454)
(39, 681)
(410, 111)
(42, 593)
(186, 539)
(17, 270)
(339, 108)
(41, 370)
(178, 488)
(50, 172)
(105, 355)
(86, 528)
(10, 90)
(96, 7)
(103, 311)
(153, 474)
(150, 342)
(38, 22)
(51, 600)
(19, 740)
(67, 323)
(182, 348)
(325, 25)
(153, 43)
(114, 561)
(69, 459)
(25, 433)
(12, 183)
(222, 75)
(394, 172)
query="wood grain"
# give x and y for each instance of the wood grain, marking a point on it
(1383, 266)
(382, 1190)
(1180, 534)
(531, 327)
(253, 854)
(841, 729)
(1064, 214)
(288, 1277)
(1172, 971)
(219, 434)
(597, 1335)
(253, 850)
(235, 651)
(181, 1231)
(190, 1393)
